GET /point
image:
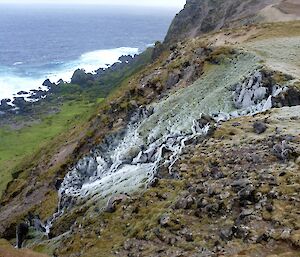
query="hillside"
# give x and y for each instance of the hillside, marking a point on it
(194, 154)
(199, 17)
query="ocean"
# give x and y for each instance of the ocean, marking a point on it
(40, 42)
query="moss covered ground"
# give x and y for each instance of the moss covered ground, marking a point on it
(17, 144)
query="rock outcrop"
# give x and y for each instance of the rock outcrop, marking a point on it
(202, 16)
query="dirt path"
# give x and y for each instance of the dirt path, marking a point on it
(281, 54)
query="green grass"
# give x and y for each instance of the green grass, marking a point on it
(15, 145)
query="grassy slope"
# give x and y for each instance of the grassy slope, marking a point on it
(143, 218)
(116, 228)
(6, 250)
(17, 145)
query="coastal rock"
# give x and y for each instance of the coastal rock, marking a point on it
(20, 103)
(81, 78)
(37, 94)
(47, 83)
(126, 59)
(4, 106)
(22, 93)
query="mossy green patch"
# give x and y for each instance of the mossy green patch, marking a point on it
(22, 143)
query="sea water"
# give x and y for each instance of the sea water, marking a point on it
(40, 42)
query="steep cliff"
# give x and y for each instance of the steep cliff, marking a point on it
(202, 16)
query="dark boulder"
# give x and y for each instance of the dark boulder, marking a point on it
(165, 220)
(185, 203)
(4, 106)
(60, 82)
(126, 59)
(47, 83)
(173, 79)
(36, 223)
(21, 233)
(289, 98)
(81, 78)
(247, 194)
(22, 93)
(158, 49)
(20, 103)
(113, 202)
(37, 94)
(283, 151)
(226, 234)
(259, 127)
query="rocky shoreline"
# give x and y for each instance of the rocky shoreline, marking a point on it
(23, 102)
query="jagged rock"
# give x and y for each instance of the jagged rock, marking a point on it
(60, 82)
(47, 83)
(172, 56)
(172, 80)
(184, 203)
(246, 212)
(113, 202)
(199, 17)
(81, 78)
(22, 93)
(247, 194)
(263, 238)
(21, 233)
(240, 232)
(37, 94)
(204, 120)
(4, 106)
(212, 209)
(36, 223)
(226, 234)
(286, 233)
(58, 183)
(201, 203)
(154, 182)
(259, 127)
(240, 183)
(20, 103)
(165, 220)
(251, 91)
(126, 59)
(283, 151)
(289, 98)
(188, 235)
